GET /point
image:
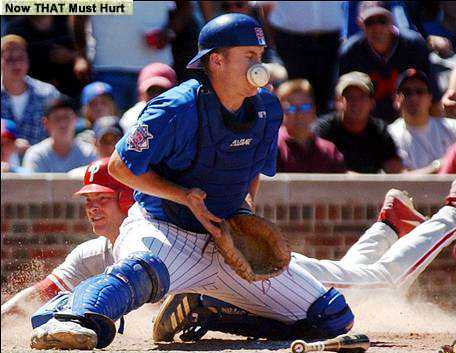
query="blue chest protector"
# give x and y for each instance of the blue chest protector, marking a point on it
(228, 158)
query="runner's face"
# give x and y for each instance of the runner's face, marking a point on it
(103, 212)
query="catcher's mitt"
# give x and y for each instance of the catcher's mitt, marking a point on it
(255, 248)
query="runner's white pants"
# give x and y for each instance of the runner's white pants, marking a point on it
(379, 260)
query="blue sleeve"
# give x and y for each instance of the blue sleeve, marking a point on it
(163, 135)
(270, 166)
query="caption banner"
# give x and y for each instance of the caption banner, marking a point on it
(67, 7)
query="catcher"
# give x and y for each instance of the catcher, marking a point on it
(193, 158)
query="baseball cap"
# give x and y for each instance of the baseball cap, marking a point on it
(105, 125)
(368, 9)
(9, 130)
(97, 179)
(412, 73)
(357, 79)
(156, 74)
(95, 89)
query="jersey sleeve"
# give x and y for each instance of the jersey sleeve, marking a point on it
(270, 165)
(163, 131)
(86, 260)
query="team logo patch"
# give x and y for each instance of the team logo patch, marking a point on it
(139, 138)
(261, 114)
(260, 36)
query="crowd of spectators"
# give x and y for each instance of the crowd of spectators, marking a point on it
(365, 86)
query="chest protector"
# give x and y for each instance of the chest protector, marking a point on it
(227, 158)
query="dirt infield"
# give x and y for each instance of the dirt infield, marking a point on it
(393, 325)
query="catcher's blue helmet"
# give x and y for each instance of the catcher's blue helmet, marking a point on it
(229, 30)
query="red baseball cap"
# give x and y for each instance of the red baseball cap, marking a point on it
(156, 74)
(97, 179)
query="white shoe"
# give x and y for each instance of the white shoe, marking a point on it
(56, 334)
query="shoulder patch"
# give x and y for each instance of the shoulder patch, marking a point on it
(139, 137)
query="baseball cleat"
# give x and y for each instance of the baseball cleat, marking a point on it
(399, 213)
(56, 334)
(176, 312)
(451, 198)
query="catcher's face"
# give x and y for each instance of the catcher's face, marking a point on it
(104, 213)
(231, 67)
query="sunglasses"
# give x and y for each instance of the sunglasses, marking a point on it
(376, 21)
(294, 109)
(410, 91)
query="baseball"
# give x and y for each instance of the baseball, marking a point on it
(258, 75)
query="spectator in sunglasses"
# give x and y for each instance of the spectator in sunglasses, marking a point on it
(362, 139)
(422, 139)
(300, 150)
(383, 52)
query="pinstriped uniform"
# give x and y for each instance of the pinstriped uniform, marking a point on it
(377, 260)
(286, 297)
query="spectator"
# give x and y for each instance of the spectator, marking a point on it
(9, 151)
(147, 34)
(23, 97)
(107, 132)
(60, 152)
(308, 48)
(51, 49)
(449, 161)
(449, 98)
(422, 140)
(363, 140)
(153, 80)
(97, 101)
(300, 150)
(382, 52)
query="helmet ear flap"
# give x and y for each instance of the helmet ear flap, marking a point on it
(126, 200)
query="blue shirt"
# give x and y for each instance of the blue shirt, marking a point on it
(29, 125)
(165, 138)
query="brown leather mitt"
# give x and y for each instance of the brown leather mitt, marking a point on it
(255, 248)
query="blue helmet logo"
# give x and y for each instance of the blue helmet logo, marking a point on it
(229, 30)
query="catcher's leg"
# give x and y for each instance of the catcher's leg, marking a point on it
(193, 315)
(87, 320)
(291, 297)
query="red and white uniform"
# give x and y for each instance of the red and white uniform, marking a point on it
(86, 260)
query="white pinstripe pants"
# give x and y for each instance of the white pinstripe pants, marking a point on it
(286, 297)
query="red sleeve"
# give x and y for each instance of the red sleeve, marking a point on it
(47, 289)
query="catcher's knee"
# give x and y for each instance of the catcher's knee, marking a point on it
(101, 300)
(330, 315)
(47, 311)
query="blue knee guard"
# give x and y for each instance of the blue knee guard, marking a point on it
(47, 311)
(100, 300)
(330, 315)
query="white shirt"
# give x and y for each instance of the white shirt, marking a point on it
(19, 102)
(86, 260)
(419, 147)
(119, 40)
(130, 117)
(308, 16)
